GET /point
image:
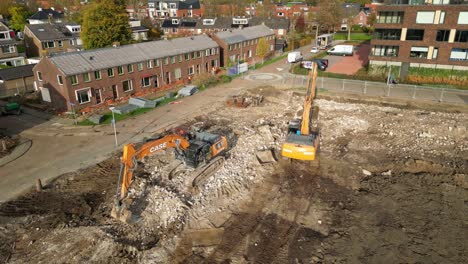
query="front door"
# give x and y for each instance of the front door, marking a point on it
(155, 78)
(115, 94)
(97, 94)
(168, 77)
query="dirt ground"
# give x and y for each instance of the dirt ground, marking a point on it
(391, 188)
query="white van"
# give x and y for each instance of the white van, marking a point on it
(294, 56)
(344, 50)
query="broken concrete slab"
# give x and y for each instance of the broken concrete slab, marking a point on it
(265, 156)
(205, 237)
(96, 119)
(266, 134)
(142, 102)
(122, 110)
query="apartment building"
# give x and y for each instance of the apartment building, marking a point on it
(415, 33)
(45, 39)
(8, 48)
(241, 44)
(90, 78)
(158, 9)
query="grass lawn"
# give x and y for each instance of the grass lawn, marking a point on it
(107, 119)
(354, 36)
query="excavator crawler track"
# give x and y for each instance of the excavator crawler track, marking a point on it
(204, 172)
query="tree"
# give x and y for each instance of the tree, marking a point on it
(19, 14)
(300, 24)
(154, 32)
(4, 6)
(266, 9)
(330, 13)
(371, 21)
(105, 22)
(262, 48)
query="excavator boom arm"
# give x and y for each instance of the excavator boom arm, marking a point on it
(309, 100)
(131, 156)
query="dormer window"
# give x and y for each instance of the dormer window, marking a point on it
(240, 21)
(172, 5)
(175, 21)
(4, 35)
(208, 22)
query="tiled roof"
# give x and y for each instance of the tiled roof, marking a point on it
(16, 72)
(248, 33)
(45, 13)
(47, 31)
(91, 60)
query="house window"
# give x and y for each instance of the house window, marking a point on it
(39, 76)
(130, 68)
(198, 54)
(4, 35)
(280, 14)
(97, 75)
(187, 56)
(173, 59)
(214, 63)
(110, 72)
(72, 42)
(459, 55)
(385, 51)
(180, 58)
(435, 53)
(145, 82)
(272, 47)
(419, 52)
(461, 36)
(193, 55)
(190, 70)
(442, 17)
(207, 52)
(74, 79)
(463, 18)
(415, 34)
(178, 74)
(442, 35)
(48, 44)
(249, 54)
(86, 77)
(213, 51)
(230, 47)
(59, 79)
(60, 43)
(390, 17)
(120, 70)
(156, 62)
(127, 85)
(149, 65)
(425, 17)
(387, 34)
(83, 96)
(140, 66)
(174, 30)
(166, 61)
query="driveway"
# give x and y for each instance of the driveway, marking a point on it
(349, 64)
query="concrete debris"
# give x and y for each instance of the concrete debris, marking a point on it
(265, 157)
(366, 172)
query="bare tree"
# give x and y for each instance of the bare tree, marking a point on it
(330, 14)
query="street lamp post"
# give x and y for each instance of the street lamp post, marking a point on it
(113, 124)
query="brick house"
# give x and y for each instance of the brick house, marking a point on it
(291, 10)
(160, 9)
(8, 48)
(430, 35)
(44, 39)
(93, 77)
(241, 44)
(17, 80)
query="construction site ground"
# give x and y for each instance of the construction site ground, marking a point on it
(391, 188)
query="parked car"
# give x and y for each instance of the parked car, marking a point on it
(322, 64)
(343, 50)
(187, 91)
(294, 56)
(314, 50)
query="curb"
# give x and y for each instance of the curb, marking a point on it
(19, 151)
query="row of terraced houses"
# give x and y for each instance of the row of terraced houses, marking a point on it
(89, 78)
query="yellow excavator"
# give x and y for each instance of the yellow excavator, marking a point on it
(302, 142)
(202, 150)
